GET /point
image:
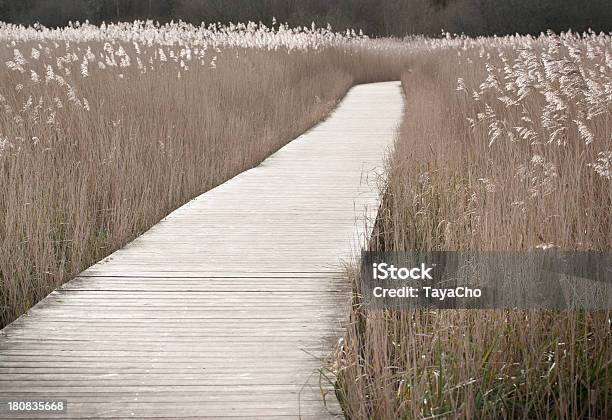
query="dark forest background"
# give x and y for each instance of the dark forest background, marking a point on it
(375, 17)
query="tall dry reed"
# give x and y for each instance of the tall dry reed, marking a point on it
(505, 145)
(105, 130)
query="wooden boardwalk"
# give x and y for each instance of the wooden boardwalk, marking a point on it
(227, 306)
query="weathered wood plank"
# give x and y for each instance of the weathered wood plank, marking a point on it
(227, 307)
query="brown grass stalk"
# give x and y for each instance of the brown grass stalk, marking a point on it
(454, 186)
(79, 186)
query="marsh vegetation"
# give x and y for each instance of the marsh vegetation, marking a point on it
(506, 144)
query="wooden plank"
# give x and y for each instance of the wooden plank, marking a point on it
(228, 307)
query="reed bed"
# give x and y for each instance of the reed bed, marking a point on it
(105, 130)
(506, 144)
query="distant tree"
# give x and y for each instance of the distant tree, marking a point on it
(4, 10)
(375, 17)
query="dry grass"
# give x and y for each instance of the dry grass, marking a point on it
(105, 131)
(505, 145)
(81, 178)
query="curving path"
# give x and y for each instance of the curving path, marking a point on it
(227, 307)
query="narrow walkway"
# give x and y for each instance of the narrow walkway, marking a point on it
(227, 306)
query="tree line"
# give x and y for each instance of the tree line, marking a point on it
(374, 17)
